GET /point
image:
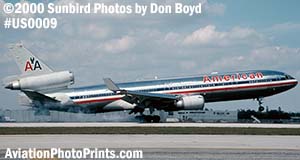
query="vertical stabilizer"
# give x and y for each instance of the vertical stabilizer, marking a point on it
(28, 63)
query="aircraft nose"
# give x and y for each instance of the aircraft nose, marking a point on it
(295, 83)
(294, 80)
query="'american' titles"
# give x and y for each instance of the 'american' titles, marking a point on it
(232, 77)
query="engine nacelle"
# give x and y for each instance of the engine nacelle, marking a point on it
(45, 81)
(191, 102)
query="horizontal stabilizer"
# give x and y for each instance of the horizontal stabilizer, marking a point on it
(36, 96)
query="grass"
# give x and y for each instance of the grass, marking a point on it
(148, 130)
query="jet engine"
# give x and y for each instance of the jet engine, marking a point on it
(44, 81)
(191, 102)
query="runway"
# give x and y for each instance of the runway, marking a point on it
(152, 141)
(163, 146)
(232, 125)
(211, 147)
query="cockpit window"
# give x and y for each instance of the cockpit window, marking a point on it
(289, 77)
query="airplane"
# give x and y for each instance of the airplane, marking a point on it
(49, 89)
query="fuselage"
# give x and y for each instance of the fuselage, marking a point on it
(45, 88)
(213, 87)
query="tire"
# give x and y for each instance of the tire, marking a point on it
(156, 119)
(261, 108)
(148, 119)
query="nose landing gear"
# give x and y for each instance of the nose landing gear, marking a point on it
(260, 104)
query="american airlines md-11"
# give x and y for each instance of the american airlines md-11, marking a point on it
(48, 89)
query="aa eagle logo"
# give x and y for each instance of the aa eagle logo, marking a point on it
(32, 65)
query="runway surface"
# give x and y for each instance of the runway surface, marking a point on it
(238, 125)
(212, 147)
(152, 141)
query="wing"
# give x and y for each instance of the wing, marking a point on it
(154, 96)
(36, 96)
(142, 99)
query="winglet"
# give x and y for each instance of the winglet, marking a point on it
(111, 85)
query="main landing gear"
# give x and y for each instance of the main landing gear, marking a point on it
(148, 117)
(260, 104)
(151, 119)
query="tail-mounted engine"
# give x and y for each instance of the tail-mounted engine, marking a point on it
(41, 82)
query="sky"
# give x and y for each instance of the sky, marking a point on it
(227, 36)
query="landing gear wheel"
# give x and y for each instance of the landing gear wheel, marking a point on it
(148, 119)
(151, 119)
(156, 119)
(261, 108)
(260, 104)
